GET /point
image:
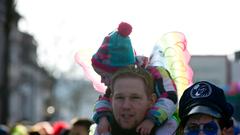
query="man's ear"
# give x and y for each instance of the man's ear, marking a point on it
(153, 99)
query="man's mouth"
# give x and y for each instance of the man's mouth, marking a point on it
(127, 116)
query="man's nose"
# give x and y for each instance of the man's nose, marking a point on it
(126, 104)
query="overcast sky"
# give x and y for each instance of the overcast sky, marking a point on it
(62, 27)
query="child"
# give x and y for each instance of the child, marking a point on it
(203, 108)
(115, 52)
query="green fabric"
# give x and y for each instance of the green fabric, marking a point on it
(120, 50)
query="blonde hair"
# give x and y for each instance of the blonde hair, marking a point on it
(134, 71)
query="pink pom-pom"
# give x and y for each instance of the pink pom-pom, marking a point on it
(124, 29)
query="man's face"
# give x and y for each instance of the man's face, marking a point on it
(130, 101)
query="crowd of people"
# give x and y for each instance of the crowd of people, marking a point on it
(141, 98)
(79, 126)
(203, 108)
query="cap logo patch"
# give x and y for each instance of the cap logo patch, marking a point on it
(201, 90)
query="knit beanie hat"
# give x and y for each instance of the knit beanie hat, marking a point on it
(116, 50)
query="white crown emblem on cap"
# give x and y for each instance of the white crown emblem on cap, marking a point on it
(201, 90)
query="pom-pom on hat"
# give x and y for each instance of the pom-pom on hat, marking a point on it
(116, 50)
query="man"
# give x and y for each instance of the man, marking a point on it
(203, 109)
(132, 96)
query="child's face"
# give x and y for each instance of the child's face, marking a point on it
(105, 76)
(201, 123)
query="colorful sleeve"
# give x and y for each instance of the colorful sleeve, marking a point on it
(92, 129)
(165, 90)
(102, 108)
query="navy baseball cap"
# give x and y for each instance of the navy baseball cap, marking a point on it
(205, 98)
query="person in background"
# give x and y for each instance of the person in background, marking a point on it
(60, 127)
(80, 127)
(236, 127)
(4, 130)
(19, 129)
(203, 109)
(42, 128)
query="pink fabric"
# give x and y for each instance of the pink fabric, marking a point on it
(91, 75)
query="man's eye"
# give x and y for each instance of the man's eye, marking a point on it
(193, 128)
(136, 97)
(209, 128)
(119, 97)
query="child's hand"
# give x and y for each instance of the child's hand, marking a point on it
(103, 126)
(145, 127)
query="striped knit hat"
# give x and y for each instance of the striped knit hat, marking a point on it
(116, 50)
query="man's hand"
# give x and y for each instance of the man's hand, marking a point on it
(145, 127)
